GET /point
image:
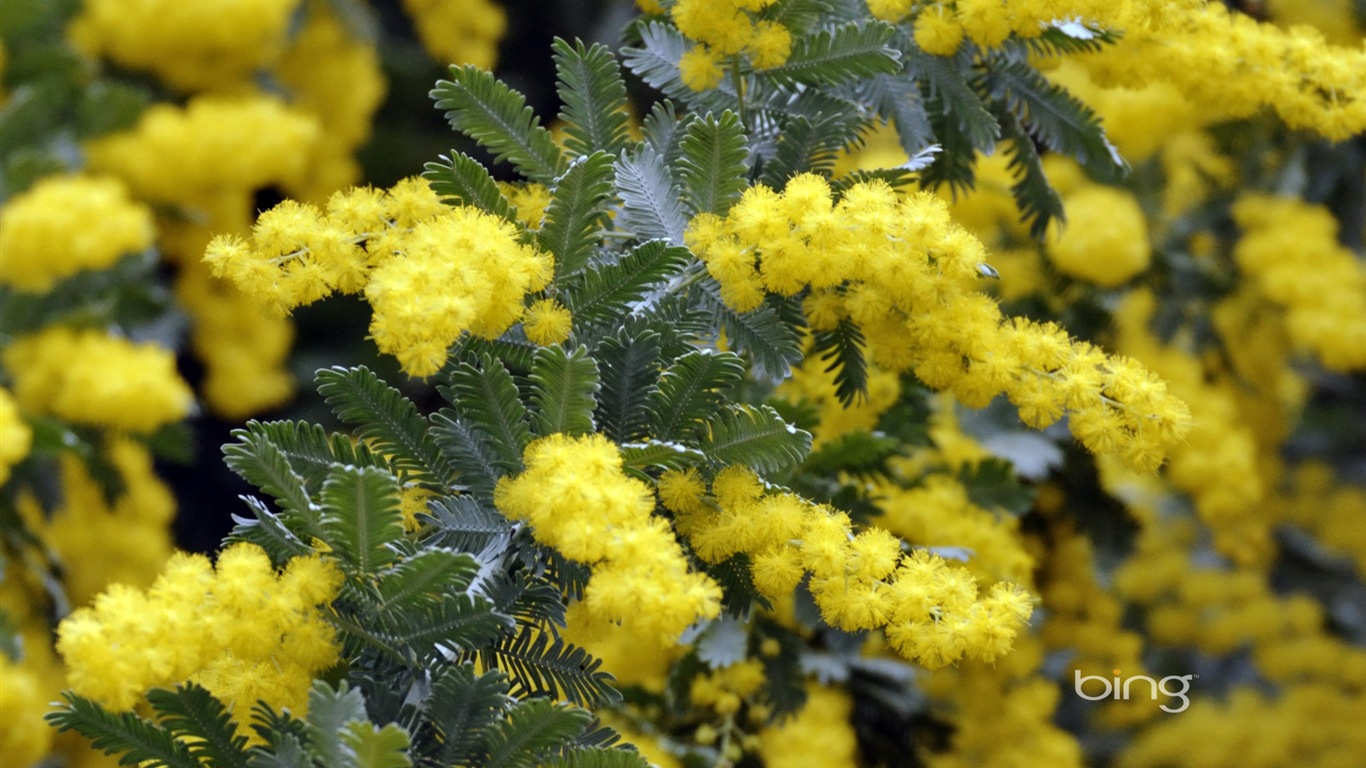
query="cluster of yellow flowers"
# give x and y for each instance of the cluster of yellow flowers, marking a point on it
(820, 734)
(192, 46)
(1331, 512)
(940, 27)
(1231, 66)
(65, 224)
(462, 31)
(726, 28)
(91, 377)
(576, 498)
(1106, 239)
(241, 630)
(931, 611)
(18, 435)
(1319, 678)
(907, 275)
(103, 541)
(1289, 249)
(429, 271)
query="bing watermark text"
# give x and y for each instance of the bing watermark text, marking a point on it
(1121, 688)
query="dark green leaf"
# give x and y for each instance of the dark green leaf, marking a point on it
(361, 519)
(604, 294)
(564, 386)
(691, 390)
(486, 398)
(480, 106)
(577, 212)
(765, 336)
(140, 742)
(991, 484)
(463, 707)
(860, 453)
(629, 365)
(532, 730)
(840, 55)
(842, 348)
(1038, 202)
(539, 665)
(201, 721)
(382, 415)
(756, 437)
(465, 524)
(424, 579)
(370, 746)
(952, 100)
(594, 97)
(465, 181)
(713, 171)
(739, 595)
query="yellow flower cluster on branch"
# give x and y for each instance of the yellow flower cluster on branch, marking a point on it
(102, 541)
(429, 271)
(18, 436)
(65, 224)
(931, 611)
(241, 630)
(459, 31)
(207, 44)
(907, 275)
(576, 499)
(90, 377)
(1290, 251)
(722, 29)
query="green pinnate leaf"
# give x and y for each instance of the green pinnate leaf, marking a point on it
(594, 97)
(564, 386)
(482, 107)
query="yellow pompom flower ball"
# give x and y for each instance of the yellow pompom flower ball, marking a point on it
(1105, 240)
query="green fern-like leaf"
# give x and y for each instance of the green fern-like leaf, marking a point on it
(691, 390)
(369, 746)
(424, 579)
(1038, 202)
(533, 729)
(139, 741)
(712, 171)
(654, 454)
(577, 212)
(859, 453)
(470, 451)
(1054, 117)
(361, 519)
(460, 622)
(465, 181)
(803, 146)
(896, 178)
(606, 293)
(486, 398)
(465, 524)
(840, 55)
(268, 531)
(202, 722)
(463, 706)
(755, 436)
(956, 164)
(651, 207)
(951, 98)
(739, 596)
(662, 130)
(842, 348)
(260, 462)
(382, 415)
(594, 97)
(329, 712)
(563, 389)
(541, 665)
(480, 106)
(764, 335)
(898, 98)
(798, 16)
(597, 758)
(629, 365)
